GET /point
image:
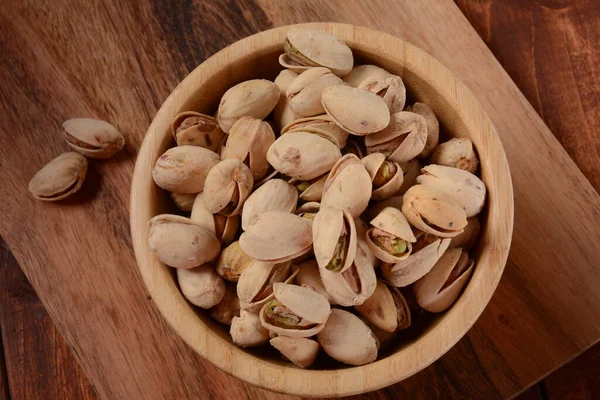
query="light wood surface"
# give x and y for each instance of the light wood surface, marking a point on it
(120, 61)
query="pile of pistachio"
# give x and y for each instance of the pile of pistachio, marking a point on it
(329, 231)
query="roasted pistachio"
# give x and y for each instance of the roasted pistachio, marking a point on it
(390, 236)
(377, 80)
(386, 309)
(201, 285)
(308, 276)
(412, 169)
(196, 129)
(457, 153)
(60, 178)
(232, 262)
(304, 93)
(183, 169)
(228, 307)
(433, 127)
(402, 140)
(467, 239)
(308, 210)
(275, 195)
(93, 138)
(301, 351)
(311, 190)
(247, 331)
(334, 239)
(183, 201)
(387, 177)
(228, 185)
(321, 125)
(283, 113)
(348, 186)
(255, 287)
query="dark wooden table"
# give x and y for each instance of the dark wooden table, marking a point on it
(548, 47)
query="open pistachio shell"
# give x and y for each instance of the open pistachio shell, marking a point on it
(201, 285)
(353, 146)
(226, 228)
(232, 262)
(183, 169)
(376, 208)
(361, 236)
(180, 242)
(60, 178)
(272, 173)
(277, 236)
(355, 110)
(457, 153)
(247, 331)
(283, 113)
(310, 207)
(322, 125)
(402, 140)
(387, 176)
(467, 239)
(440, 288)
(334, 239)
(304, 93)
(183, 201)
(364, 73)
(308, 276)
(386, 309)
(390, 88)
(195, 129)
(348, 339)
(286, 62)
(228, 307)
(274, 195)
(255, 287)
(227, 186)
(390, 237)
(433, 127)
(310, 190)
(93, 138)
(412, 169)
(348, 186)
(384, 338)
(301, 351)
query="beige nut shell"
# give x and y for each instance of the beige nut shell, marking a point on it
(274, 195)
(184, 169)
(327, 229)
(300, 351)
(348, 186)
(402, 140)
(201, 285)
(60, 178)
(228, 185)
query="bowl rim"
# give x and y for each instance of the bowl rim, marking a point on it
(352, 380)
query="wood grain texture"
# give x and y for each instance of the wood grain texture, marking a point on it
(118, 61)
(578, 380)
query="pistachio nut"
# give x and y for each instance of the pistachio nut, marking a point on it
(283, 113)
(195, 129)
(183, 169)
(430, 211)
(233, 262)
(457, 153)
(427, 250)
(390, 238)
(277, 236)
(348, 186)
(183, 201)
(384, 338)
(254, 98)
(440, 288)
(321, 125)
(402, 140)
(334, 239)
(308, 210)
(249, 139)
(247, 331)
(255, 287)
(412, 169)
(386, 309)
(314, 48)
(93, 138)
(295, 311)
(228, 185)
(308, 276)
(348, 339)
(467, 239)
(310, 190)
(304, 93)
(60, 178)
(226, 228)
(390, 88)
(274, 195)
(286, 62)
(228, 307)
(433, 127)
(354, 147)
(463, 188)
(386, 176)
(201, 285)
(376, 208)
(180, 242)
(356, 110)
(299, 350)
(364, 73)
(303, 155)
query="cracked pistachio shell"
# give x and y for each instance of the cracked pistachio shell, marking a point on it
(354, 147)
(228, 185)
(277, 236)
(440, 288)
(348, 339)
(249, 139)
(348, 186)
(402, 140)
(180, 242)
(427, 250)
(253, 98)
(272, 173)
(286, 62)
(195, 129)
(361, 236)
(457, 153)
(310, 190)
(60, 178)
(93, 138)
(462, 187)
(183, 169)
(390, 88)
(412, 169)
(226, 228)
(394, 201)
(430, 211)
(228, 307)
(315, 48)
(183, 201)
(308, 211)
(304, 93)
(308, 276)
(387, 176)
(364, 73)
(390, 224)
(386, 309)
(303, 155)
(433, 127)
(255, 287)
(283, 113)
(247, 331)
(334, 239)
(384, 338)
(201, 285)
(274, 195)
(232, 262)
(201, 215)
(468, 238)
(301, 351)
(356, 110)
(321, 125)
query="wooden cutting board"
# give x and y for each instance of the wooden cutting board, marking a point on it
(118, 61)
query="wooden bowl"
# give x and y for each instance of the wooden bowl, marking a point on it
(460, 115)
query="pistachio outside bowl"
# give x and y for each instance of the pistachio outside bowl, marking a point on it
(460, 115)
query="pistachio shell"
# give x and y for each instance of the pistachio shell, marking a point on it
(364, 73)
(387, 176)
(433, 127)
(389, 227)
(354, 147)
(183, 169)
(255, 286)
(376, 208)
(355, 110)
(303, 155)
(412, 169)
(386, 309)
(254, 98)
(304, 93)
(183, 201)
(348, 186)
(457, 153)
(232, 262)
(384, 338)
(228, 307)
(201, 285)
(93, 138)
(247, 331)
(196, 129)
(300, 351)
(270, 175)
(402, 140)
(274, 195)
(283, 113)
(201, 215)
(467, 239)
(226, 228)
(277, 236)
(348, 339)
(308, 276)
(361, 236)
(286, 62)
(60, 178)
(310, 207)
(390, 88)
(334, 239)
(321, 125)
(228, 185)
(180, 242)
(310, 190)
